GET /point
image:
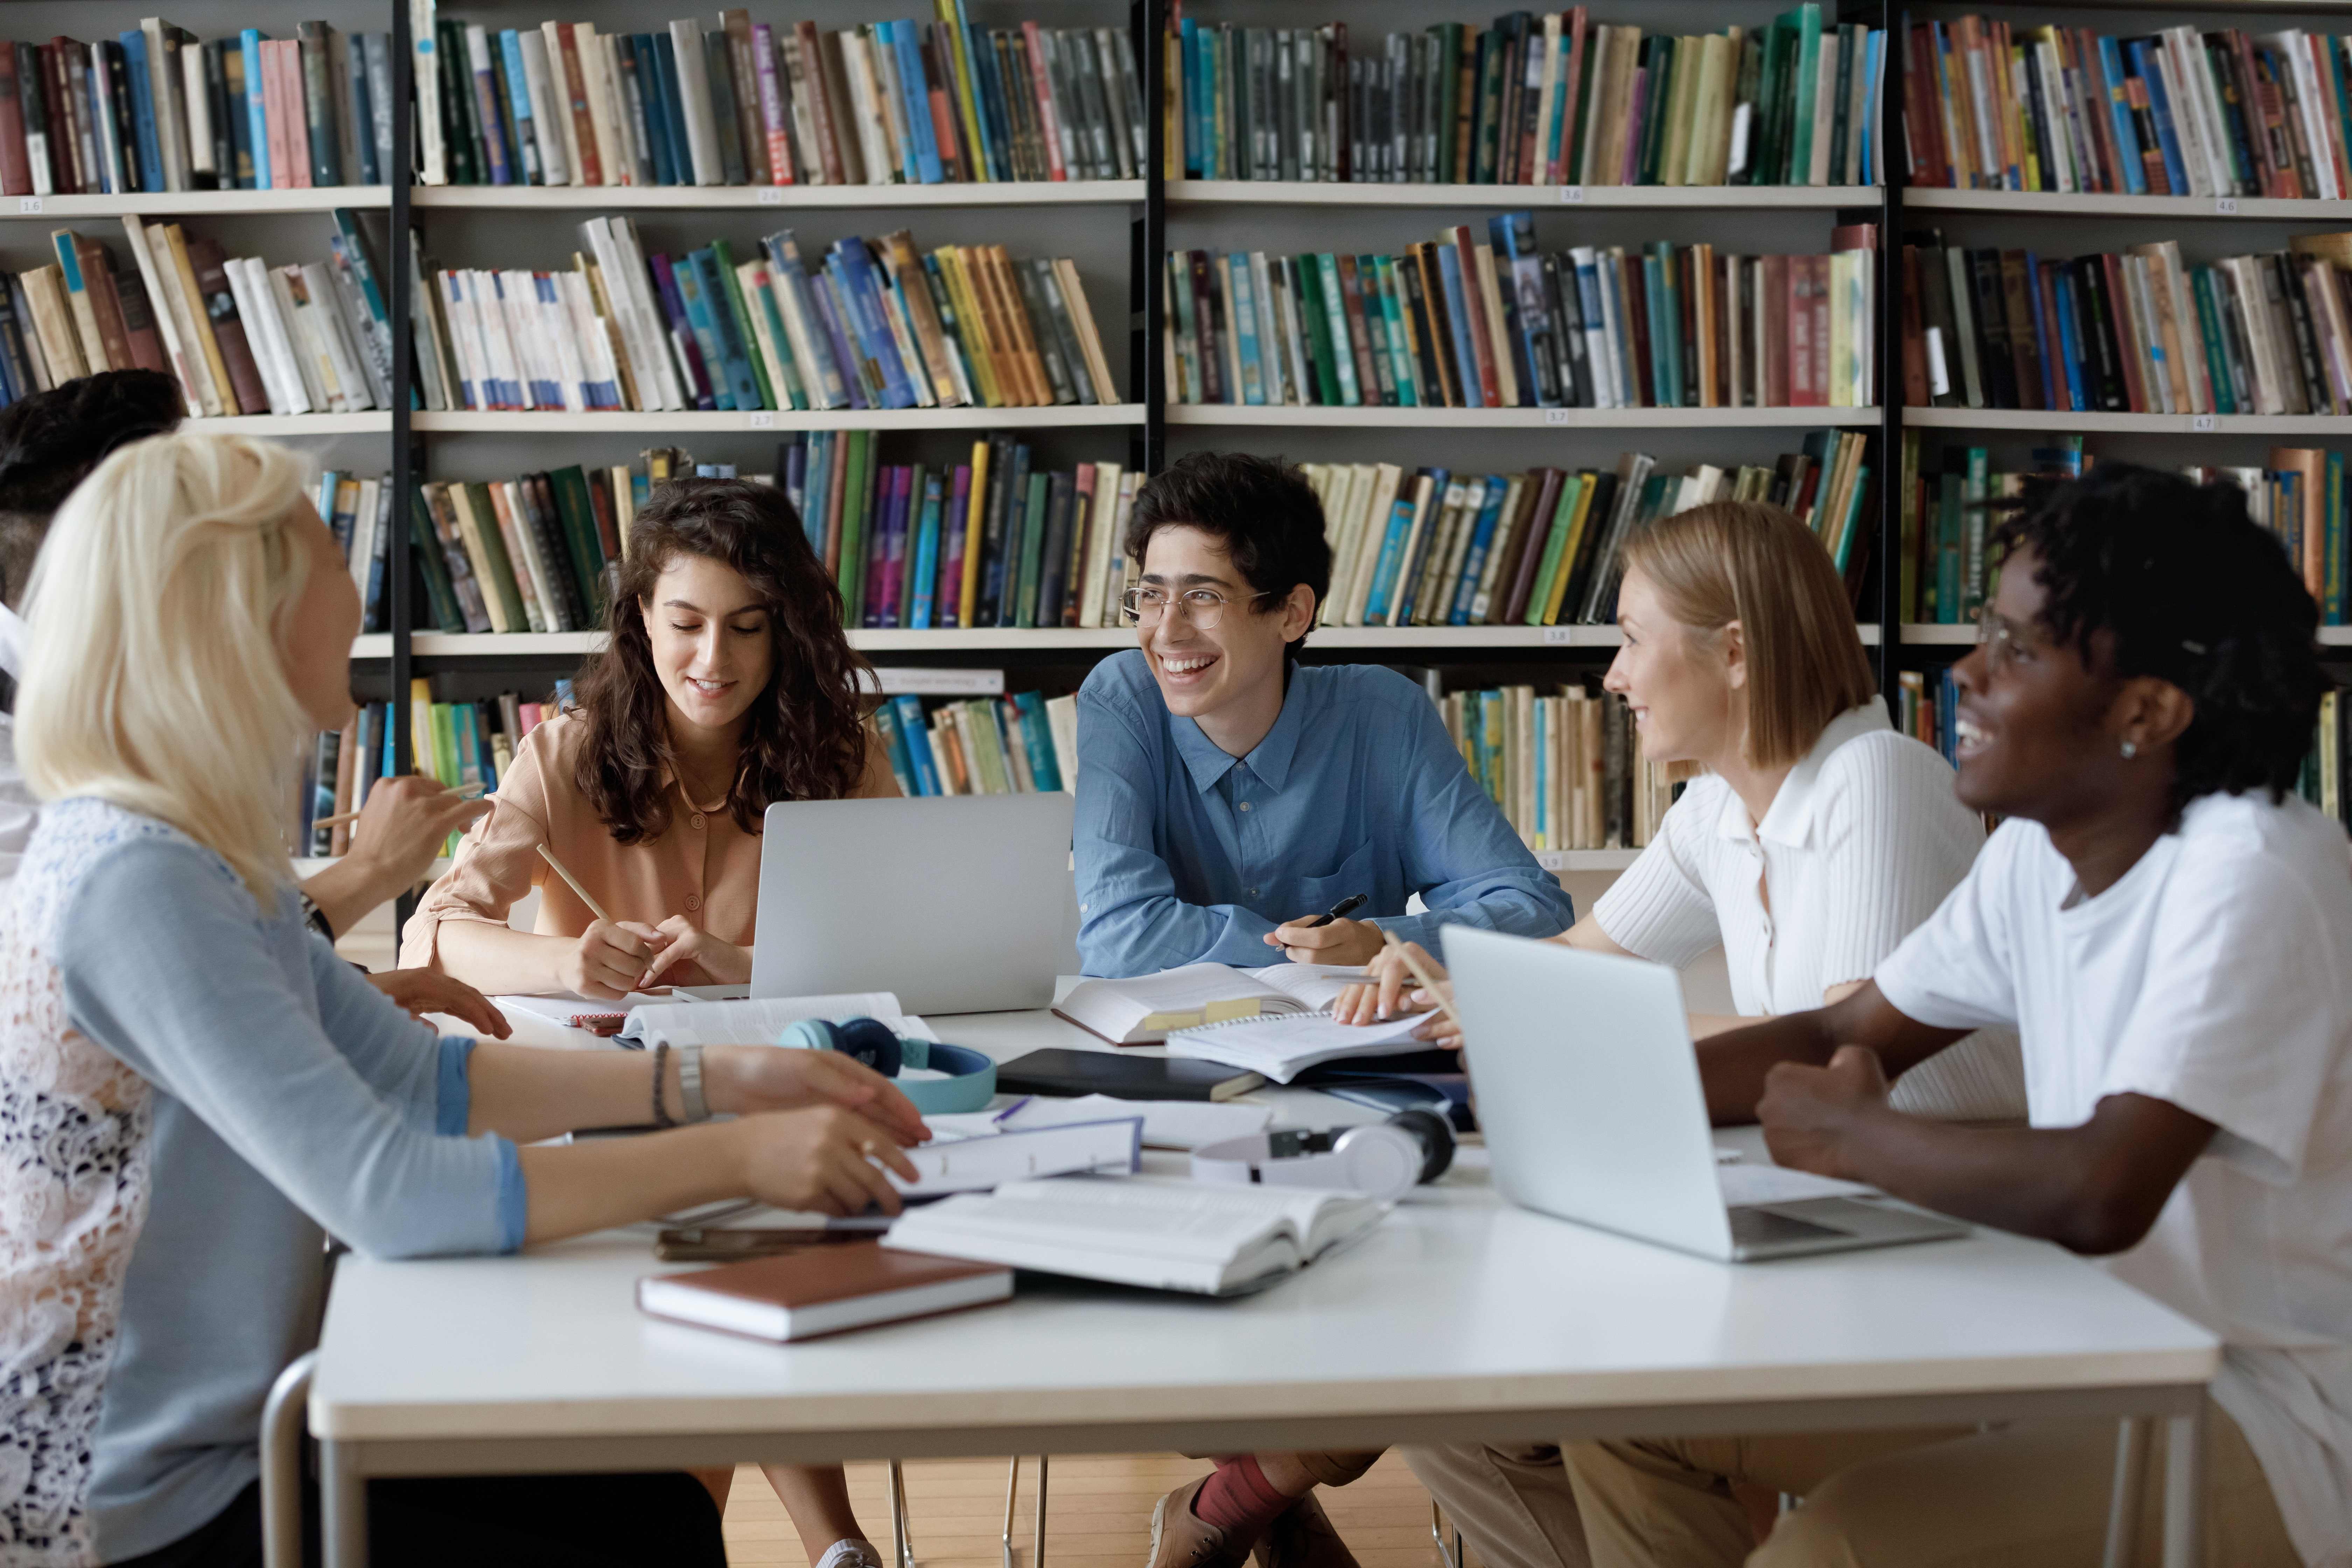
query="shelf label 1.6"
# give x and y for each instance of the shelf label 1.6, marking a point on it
(28, 205)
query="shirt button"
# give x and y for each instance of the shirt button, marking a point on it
(1244, 805)
(695, 822)
(1253, 892)
(694, 900)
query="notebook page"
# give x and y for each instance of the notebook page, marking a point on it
(1177, 1220)
(1282, 1048)
(758, 1022)
(1316, 985)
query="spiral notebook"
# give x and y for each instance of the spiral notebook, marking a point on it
(1282, 1046)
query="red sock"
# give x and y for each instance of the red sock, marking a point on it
(1238, 1500)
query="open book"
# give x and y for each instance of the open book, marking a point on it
(758, 1022)
(1143, 1010)
(1139, 1230)
(1280, 1049)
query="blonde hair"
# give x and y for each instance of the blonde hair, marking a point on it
(153, 674)
(1756, 565)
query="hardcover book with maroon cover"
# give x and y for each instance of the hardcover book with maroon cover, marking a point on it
(826, 1289)
(220, 304)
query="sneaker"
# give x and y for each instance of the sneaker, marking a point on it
(850, 1552)
(1183, 1538)
(1303, 1537)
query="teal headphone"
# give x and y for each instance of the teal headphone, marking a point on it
(872, 1042)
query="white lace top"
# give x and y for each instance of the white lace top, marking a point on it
(74, 1167)
(190, 1090)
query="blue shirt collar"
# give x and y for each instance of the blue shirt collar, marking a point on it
(1270, 760)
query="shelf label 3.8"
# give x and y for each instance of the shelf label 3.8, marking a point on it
(1559, 636)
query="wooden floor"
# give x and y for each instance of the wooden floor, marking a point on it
(1097, 1515)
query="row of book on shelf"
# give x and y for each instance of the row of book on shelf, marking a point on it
(240, 336)
(1537, 99)
(875, 324)
(155, 110)
(751, 103)
(2138, 330)
(1992, 104)
(1000, 541)
(1952, 496)
(458, 744)
(1434, 547)
(1465, 322)
(1566, 769)
(2324, 771)
(1025, 745)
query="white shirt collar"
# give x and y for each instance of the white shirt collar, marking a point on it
(1791, 819)
(12, 631)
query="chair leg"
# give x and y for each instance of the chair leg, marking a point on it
(1452, 1557)
(2124, 1501)
(1012, 1488)
(1039, 1549)
(902, 1539)
(282, 1464)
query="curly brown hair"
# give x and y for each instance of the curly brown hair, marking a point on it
(803, 738)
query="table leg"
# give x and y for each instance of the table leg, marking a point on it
(1038, 1551)
(2124, 1499)
(2184, 1491)
(342, 1500)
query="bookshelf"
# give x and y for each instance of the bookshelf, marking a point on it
(717, 198)
(1680, 198)
(1074, 418)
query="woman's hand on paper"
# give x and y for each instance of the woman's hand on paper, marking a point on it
(743, 1080)
(604, 961)
(1338, 941)
(680, 940)
(421, 991)
(1390, 993)
(824, 1159)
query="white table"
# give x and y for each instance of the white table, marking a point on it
(1458, 1319)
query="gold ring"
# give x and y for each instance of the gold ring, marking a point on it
(868, 1148)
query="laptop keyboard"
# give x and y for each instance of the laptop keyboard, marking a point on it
(1762, 1227)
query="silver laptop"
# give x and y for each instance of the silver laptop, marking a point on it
(958, 904)
(1589, 1098)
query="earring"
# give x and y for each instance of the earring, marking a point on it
(2131, 750)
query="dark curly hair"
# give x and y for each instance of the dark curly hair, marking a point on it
(803, 738)
(49, 441)
(1262, 507)
(2192, 591)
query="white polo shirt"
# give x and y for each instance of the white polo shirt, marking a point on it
(1861, 844)
(18, 810)
(2216, 975)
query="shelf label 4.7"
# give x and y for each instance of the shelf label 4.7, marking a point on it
(2204, 423)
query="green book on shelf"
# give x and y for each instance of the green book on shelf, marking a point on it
(1032, 551)
(1318, 330)
(1948, 502)
(577, 514)
(1555, 549)
(424, 550)
(1808, 63)
(475, 498)
(857, 486)
(1768, 154)
(1490, 106)
(1657, 101)
(732, 291)
(445, 745)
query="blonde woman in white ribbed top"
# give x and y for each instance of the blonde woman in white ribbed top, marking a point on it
(1812, 841)
(1815, 836)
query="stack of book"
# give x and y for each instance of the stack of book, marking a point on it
(2139, 331)
(874, 325)
(458, 744)
(1468, 322)
(990, 542)
(1992, 105)
(1548, 99)
(155, 110)
(358, 510)
(1026, 744)
(241, 336)
(1432, 547)
(748, 103)
(1566, 769)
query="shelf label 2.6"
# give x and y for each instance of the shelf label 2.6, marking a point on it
(771, 196)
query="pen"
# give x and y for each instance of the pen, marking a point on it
(593, 907)
(1009, 1110)
(1346, 906)
(1421, 977)
(469, 792)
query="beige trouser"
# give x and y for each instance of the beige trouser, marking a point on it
(1891, 1500)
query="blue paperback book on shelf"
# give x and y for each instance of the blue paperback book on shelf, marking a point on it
(143, 111)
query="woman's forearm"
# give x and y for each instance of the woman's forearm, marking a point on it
(498, 960)
(526, 1093)
(579, 1187)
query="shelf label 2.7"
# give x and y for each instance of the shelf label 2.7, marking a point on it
(761, 419)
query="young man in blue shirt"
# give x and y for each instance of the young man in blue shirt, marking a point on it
(1227, 795)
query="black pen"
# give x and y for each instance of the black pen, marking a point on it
(1346, 906)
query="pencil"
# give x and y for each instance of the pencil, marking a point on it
(1421, 976)
(573, 882)
(471, 792)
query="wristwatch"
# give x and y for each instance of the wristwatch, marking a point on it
(689, 1083)
(313, 916)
